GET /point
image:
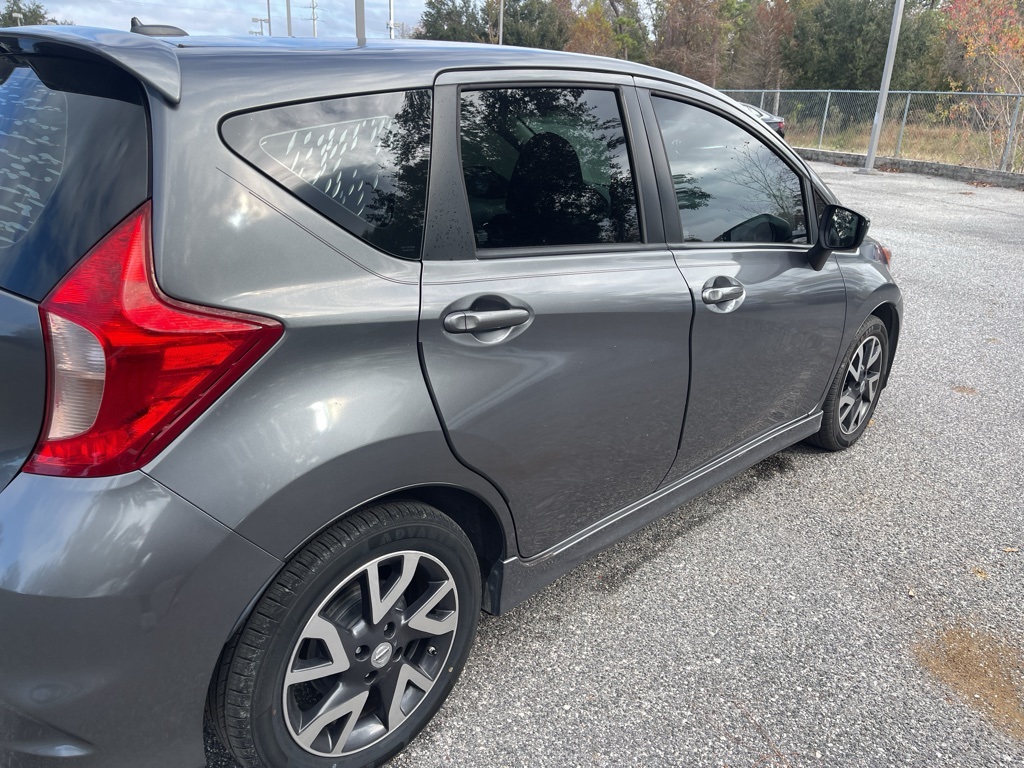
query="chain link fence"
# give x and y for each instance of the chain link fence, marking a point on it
(980, 130)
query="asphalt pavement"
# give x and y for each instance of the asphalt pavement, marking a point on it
(853, 609)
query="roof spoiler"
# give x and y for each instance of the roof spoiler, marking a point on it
(154, 62)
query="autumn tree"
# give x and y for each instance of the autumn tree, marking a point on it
(688, 38)
(591, 31)
(608, 28)
(988, 35)
(762, 44)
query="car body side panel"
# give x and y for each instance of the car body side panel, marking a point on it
(22, 382)
(869, 285)
(116, 594)
(338, 413)
(765, 363)
(576, 414)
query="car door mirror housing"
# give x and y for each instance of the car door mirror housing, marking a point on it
(839, 229)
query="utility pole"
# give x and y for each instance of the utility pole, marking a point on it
(883, 93)
(270, 32)
(313, 17)
(501, 23)
(361, 22)
(288, 12)
(391, 19)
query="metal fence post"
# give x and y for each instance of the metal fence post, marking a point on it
(762, 100)
(903, 125)
(1011, 135)
(824, 117)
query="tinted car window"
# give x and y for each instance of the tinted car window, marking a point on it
(361, 161)
(547, 166)
(729, 186)
(74, 161)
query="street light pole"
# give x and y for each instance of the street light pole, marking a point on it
(270, 32)
(360, 22)
(883, 93)
(501, 22)
(391, 19)
(288, 15)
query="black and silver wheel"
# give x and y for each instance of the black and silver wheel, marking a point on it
(852, 398)
(355, 646)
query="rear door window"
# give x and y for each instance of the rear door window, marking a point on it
(547, 167)
(74, 161)
(361, 161)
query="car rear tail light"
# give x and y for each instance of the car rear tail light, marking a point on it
(129, 367)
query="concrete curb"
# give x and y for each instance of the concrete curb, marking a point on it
(958, 172)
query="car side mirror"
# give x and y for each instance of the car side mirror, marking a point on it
(839, 229)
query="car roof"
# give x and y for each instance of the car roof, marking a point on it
(312, 66)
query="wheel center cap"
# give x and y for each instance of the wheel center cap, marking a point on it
(381, 655)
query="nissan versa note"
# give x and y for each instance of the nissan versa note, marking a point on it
(310, 351)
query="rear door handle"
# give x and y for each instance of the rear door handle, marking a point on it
(722, 294)
(469, 321)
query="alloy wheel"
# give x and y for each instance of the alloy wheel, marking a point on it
(861, 385)
(370, 653)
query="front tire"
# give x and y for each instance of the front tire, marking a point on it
(354, 646)
(852, 398)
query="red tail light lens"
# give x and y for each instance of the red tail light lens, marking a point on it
(130, 368)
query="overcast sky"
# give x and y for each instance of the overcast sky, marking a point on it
(336, 18)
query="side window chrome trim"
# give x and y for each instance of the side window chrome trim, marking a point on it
(537, 251)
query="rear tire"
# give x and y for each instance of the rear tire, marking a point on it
(354, 646)
(854, 393)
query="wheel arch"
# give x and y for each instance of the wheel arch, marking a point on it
(890, 317)
(481, 523)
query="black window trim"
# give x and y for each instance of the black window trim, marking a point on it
(571, 79)
(661, 165)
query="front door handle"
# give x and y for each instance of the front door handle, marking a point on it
(470, 321)
(720, 295)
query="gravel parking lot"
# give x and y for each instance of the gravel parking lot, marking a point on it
(854, 609)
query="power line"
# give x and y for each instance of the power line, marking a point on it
(178, 7)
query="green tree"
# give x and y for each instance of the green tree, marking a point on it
(842, 44)
(458, 20)
(32, 13)
(530, 23)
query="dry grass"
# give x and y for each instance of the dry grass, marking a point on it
(936, 143)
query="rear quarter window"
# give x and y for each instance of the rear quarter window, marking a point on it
(361, 161)
(74, 161)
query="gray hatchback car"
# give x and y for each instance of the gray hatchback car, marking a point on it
(310, 351)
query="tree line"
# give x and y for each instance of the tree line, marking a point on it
(943, 45)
